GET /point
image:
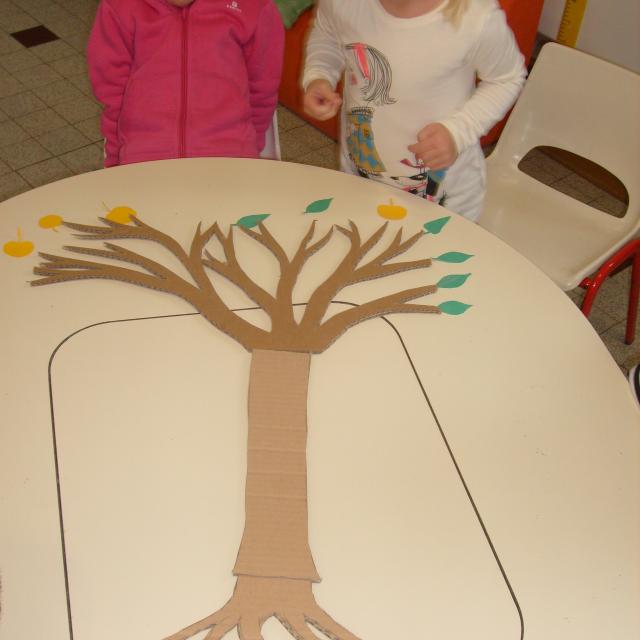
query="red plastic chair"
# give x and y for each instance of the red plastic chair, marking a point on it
(629, 253)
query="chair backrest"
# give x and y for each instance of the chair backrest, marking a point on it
(579, 103)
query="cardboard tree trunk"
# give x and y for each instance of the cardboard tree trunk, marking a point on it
(275, 542)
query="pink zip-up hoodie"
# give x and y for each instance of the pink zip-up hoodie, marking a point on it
(185, 82)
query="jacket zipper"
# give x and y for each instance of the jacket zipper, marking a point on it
(182, 144)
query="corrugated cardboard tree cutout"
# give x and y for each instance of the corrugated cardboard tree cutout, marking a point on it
(275, 569)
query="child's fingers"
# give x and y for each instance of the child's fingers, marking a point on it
(433, 157)
(435, 147)
(322, 91)
(322, 105)
(332, 100)
(332, 110)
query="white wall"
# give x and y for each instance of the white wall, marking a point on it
(610, 29)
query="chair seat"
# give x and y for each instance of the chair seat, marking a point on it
(562, 236)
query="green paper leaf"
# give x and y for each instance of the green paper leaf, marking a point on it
(453, 256)
(453, 307)
(436, 226)
(318, 206)
(253, 220)
(453, 281)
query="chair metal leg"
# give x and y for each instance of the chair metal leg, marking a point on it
(592, 287)
(630, 251)
(634, 291)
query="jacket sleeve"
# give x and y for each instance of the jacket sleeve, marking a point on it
(324, 54)
(109, 58)
(264, 59)
(501, 73)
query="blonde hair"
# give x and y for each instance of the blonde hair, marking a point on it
(455, 10)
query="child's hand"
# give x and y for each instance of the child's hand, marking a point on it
(435, 147)
(321, 101)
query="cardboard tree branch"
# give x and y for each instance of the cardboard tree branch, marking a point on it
(274, 568)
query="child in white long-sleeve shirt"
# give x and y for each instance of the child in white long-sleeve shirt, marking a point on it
(423, 81)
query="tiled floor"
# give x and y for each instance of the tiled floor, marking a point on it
(49, 129)
(49, 126)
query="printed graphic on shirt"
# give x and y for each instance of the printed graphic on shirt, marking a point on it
(360, 142)
(425, 183)
(371, 70)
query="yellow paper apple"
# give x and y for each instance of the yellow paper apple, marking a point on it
(18, 248)
(50, 222)
(391, 211)
(121, 214)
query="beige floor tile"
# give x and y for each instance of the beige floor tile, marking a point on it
(579, 184)
(534, 170)
(625, 355)
(301, 141)
(78, 41)
(11, 184)
(16, 62)
(613, 295)
(313, 138)
(8, 8)
(90, 128)
(288, 120)
(39, 76)
(601, 321)
(51, 51)
(70, 66)
(577, 295)
(32, 5)
(66, 27)
(82, 83)
(26, 5)
(4, 168)
(23, 154)
(78, 110)
(40, 122)
(571, 191)
(536, 159)
(17, 22)
(8, 44)
(85, 11)
(9, 85)
(84, 160)
(45, 172)
(21, 103)
(611, 205)
(57, 92)
(49, 12)
(326, 157)
(11, 133)
(63, 140)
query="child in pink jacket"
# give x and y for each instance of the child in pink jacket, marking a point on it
(185, 78)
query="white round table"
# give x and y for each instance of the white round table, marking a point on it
(471, 472)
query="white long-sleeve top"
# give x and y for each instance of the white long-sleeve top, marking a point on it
(409, 72)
